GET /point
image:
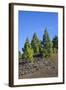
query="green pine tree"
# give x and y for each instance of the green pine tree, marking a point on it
(20, 55)
(47, 44)
(35, 43)
(28, 51)
(55, 44)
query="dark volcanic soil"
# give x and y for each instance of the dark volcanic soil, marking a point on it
(40, 68)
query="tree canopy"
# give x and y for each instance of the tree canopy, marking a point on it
(45, 47)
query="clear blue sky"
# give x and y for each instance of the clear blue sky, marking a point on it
(31, 22)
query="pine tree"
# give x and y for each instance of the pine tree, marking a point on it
(20, 55)
(55, 44)
(47, 44)
(35, 43)
(28, 51)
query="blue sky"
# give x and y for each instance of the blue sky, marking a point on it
(31, 22)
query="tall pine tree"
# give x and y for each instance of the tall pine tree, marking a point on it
(35, 43)
(47, 44)
(28, 51)
(55, 44)
(20, 55)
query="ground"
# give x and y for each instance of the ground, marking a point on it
(42, 67)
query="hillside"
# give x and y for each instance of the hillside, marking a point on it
(41, 67)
